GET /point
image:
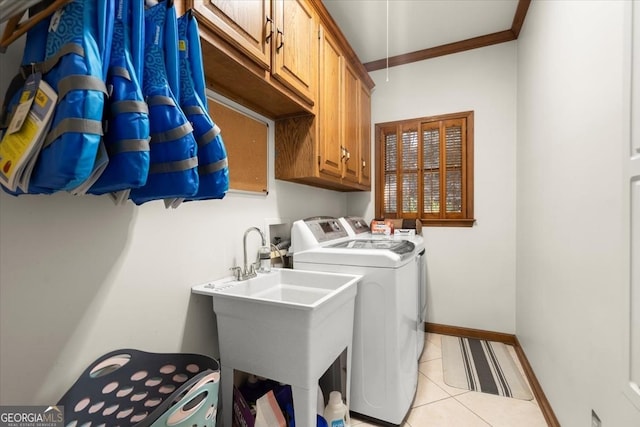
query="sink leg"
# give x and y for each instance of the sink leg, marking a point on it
(305, 405)
(226, 383)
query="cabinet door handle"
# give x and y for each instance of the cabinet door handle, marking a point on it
(364, 164)
(281, 34)
(343, 152)
(348, 155)
(269, 22)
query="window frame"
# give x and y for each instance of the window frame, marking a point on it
(460, 219)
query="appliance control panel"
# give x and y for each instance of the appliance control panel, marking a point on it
(356, 224)
(325, 228)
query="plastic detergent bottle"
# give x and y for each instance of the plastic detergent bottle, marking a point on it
(252, 390)
(336, 413)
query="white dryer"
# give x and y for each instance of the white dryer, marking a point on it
(384, 369)
(358, 228)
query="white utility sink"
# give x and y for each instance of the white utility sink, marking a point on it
(306, 290)
(287, 325)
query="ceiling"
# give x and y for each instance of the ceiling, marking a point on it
(419, 29)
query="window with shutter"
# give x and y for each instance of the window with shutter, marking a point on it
(425, 169)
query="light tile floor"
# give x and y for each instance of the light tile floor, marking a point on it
(439, 405)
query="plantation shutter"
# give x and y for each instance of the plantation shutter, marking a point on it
(410, 189)
(390, 173)
(454, 160)
(431, 170)
(426, 169)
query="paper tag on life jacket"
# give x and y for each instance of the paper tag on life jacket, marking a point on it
(55, 20)
(26, 100)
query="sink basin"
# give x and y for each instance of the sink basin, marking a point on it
(287, 325)
(305, 290)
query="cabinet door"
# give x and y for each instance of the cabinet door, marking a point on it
(244, 24)
(365, 136)
(295, 47)
(351, 125)
(329, 118)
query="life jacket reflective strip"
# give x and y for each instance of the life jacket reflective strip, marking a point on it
(78, 35)
(212, 156)
(173, 168)
(213, 167)
(127, 136)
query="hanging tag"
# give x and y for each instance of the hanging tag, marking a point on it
(26, 100)
(19, 150)
(55, 20)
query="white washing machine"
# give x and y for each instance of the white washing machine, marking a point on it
(384, 369)
(358, 228)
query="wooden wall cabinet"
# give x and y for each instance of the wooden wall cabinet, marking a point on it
(333, 149)
(288, 60)
(243, 24)
(329, 120)
(351, 142)
(251, 52)
(365, 136)
(294, 47)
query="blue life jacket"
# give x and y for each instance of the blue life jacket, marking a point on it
(127, 131)
(212, 156)
(173, 172)
(78, 44)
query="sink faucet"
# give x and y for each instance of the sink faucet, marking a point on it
(249, 270)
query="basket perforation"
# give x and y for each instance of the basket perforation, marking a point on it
(129, 387)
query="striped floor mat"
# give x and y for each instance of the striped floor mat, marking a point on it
(484, 366)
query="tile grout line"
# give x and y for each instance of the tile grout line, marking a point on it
(437, 400)
(471, 410)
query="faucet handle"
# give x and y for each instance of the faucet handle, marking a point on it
(237, 272)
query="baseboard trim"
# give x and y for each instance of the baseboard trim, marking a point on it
(471, 333)
(510, 339)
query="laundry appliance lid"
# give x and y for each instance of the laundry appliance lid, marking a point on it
(359, 252)
(399, 247)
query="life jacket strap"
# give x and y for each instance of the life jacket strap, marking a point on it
(173, 134)
(46, 65)
(79, 82)
(208, 136)
(120, 107)
(120, 72)
(76, 125)
(160, 100)
(193, 110)
(177, 166)
(213, 167)
(127, 146)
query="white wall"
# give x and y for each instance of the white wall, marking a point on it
(572, 271)
(471, 270)
(80, 277)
